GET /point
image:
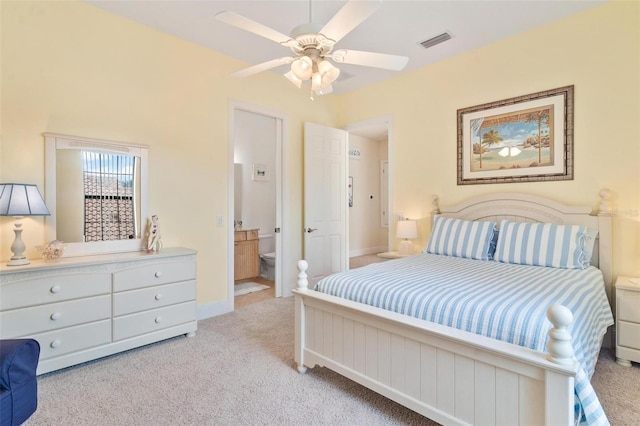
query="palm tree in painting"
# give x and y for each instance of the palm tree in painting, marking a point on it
(541, 117)
(490, 138)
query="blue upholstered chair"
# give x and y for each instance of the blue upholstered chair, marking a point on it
(18, 383)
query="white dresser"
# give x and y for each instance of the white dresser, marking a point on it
(627, 320)
(88, 307)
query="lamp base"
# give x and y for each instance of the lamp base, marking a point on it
(17, 248)
(16, 261)
(405, 247)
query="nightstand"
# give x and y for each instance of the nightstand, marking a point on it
(627, 320)
(393, 255)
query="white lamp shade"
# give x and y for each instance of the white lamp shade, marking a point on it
(328, 71)
(324, 90)
(302, 68)
(316, 81)
(19, 199)
(407, 229)
(292, 78)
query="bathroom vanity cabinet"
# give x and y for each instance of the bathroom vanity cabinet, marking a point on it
(246, 258)
(84, 308)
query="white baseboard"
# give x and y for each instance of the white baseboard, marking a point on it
(212, 309)
(368, 250)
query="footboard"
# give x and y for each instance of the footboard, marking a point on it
(447, 375)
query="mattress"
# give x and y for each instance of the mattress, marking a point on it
(503, 301)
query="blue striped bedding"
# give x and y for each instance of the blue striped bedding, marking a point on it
(503, 301)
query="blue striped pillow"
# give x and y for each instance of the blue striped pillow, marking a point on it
(461, 238)
(542, 244)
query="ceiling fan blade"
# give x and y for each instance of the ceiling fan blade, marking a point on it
(352, 14)
(251, 26)
(264, 66)
(370, 59)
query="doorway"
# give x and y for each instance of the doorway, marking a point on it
(369, 215)
(256, 208)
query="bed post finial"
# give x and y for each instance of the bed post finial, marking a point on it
(605, 205)
(559, 344)
(303, 284)
(435, 206)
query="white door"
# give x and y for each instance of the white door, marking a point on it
(325, 201)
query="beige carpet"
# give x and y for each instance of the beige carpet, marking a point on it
(239, 370)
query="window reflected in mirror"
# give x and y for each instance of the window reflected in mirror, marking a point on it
(109, 183)
(97, 193)
(97, 196)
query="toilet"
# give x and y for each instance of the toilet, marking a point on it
(266, 249)
(268, 265)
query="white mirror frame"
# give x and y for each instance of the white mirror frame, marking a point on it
(54, 142)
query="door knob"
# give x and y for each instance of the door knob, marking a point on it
(310, 230)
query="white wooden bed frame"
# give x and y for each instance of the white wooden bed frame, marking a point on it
(448, 375)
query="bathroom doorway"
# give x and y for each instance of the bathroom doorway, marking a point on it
(255, 205)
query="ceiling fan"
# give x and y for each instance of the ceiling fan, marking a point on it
(312, 46)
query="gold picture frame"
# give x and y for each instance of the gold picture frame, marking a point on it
(522, 139)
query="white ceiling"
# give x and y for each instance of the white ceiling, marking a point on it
(396, 28)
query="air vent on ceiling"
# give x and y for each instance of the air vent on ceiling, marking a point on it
(435, 40)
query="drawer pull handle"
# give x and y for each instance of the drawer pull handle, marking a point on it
(158, 274)
(158, 320)
(55, 316)
(55, 344)
(158, 296)
(55, 289)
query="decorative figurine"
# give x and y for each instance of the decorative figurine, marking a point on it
(153, 238)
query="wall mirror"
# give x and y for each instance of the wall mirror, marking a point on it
(96, 191)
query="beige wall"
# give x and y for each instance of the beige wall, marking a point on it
(598, 51)
(68, 67)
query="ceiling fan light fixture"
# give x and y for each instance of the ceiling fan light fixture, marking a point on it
(292, 78)
(302, 68)
(324, 91)
(316, 81)
(328, 71)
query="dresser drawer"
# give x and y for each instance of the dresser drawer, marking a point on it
(53, 288)
(628, 305)
(153, 320)
(71, 339)
(36, 319)
(128, 302)
(628, 334)
(155, 274)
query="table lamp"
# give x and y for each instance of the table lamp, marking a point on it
(18, 200)
(406, 229)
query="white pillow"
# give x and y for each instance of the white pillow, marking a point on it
(542, 244)
(461, 238)
(590, 237)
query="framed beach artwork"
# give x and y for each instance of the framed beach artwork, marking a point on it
(523, 139)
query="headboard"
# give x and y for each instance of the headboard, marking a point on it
(532, 208)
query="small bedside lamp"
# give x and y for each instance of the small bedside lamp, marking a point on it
(18, 200)
(406, 229)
